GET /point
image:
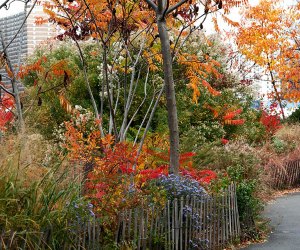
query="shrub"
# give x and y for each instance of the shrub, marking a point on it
(279, 145)
(289, 135)
(181, 186)
(238, 163)
(271, 122)
(6, 114)
(295, 116)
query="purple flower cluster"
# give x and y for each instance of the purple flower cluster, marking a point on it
(181, 186)
(184, 187)
(83, 211)
(80, 213)
(194, 217)
(199, 244)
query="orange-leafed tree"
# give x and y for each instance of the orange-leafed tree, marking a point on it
(289, 73)
(189, 12)
(267, 37)
(150, 23)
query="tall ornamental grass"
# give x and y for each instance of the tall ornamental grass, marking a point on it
(35, 210)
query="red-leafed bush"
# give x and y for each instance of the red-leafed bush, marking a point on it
(204, 177)
(6, 114)
(119, 178)
(224, 141)
(271, 122)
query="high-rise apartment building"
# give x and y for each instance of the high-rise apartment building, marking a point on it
(37, 34)
(26, 39)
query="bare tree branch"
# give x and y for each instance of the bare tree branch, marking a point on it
(7, 91)
(152, 4)
(175, 6)
(83, 62)
(149, 121)
(141, 104)
(130, 94)
(166, 9)
(4, 5)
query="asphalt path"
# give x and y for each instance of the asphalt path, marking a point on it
(284, 213)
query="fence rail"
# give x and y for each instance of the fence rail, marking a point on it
(187, 223)
(287, 175)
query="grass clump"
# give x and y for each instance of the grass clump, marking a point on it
(34, 199)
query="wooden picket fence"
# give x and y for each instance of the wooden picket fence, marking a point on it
(204, 222)
(287, 175)
(186, 223)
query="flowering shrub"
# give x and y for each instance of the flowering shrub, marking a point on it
(81, 211)
(82, 120)
(180, 186)
(207, 131)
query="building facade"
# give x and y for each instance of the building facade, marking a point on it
(26, 39)
(37, 34)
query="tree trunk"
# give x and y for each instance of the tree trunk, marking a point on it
(112, 120)
(18, 104)
(276, 91)
(278, 99)
(170, 93)
(14, 86)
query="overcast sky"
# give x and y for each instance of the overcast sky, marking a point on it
(16, 7)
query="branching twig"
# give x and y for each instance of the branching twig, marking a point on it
(7, 91)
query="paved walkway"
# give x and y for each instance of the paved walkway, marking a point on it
(285, 219)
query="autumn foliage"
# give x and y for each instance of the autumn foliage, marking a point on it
(271, 120)
(120, 178)
(121, 57)
(6, 111)
(226, 114)
(269, 37)
(108, 21)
